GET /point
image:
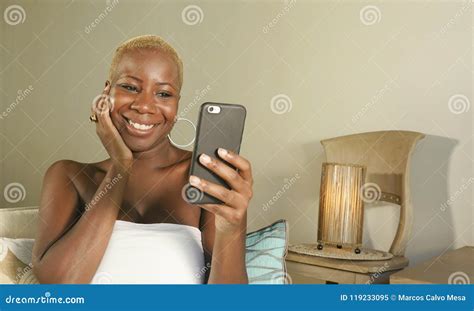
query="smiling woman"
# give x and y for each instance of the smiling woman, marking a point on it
(123, 220)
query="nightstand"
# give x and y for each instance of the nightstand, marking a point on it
(453, 267)
(305, 269)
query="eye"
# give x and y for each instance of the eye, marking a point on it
(163, 94)
(128, 87)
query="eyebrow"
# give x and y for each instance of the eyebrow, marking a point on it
(140, 80)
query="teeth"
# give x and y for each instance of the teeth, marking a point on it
(140, 126)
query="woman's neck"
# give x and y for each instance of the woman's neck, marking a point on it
(162, 155)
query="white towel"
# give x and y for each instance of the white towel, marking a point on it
(160, 253)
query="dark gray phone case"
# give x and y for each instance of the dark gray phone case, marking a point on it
(223, 130)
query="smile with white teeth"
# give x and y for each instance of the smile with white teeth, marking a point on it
(139, 126)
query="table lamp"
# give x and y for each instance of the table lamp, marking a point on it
(341, 208)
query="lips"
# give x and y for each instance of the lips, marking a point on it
(140, 128)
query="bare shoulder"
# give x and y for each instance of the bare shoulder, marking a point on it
(73, 169)
(83, 177)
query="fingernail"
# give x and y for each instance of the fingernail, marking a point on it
(205, 159)
(194, 180)
(222, 152)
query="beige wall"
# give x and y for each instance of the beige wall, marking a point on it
(343, 71)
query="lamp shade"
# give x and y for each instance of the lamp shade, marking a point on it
(341, 208)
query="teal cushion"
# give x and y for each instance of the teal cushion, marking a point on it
(266, 252)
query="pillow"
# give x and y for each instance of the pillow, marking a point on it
(265, 255)
(15, 261)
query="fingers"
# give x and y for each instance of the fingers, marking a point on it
(230, 175)
(239, 162)
(229, 197)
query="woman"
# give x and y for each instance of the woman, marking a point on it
(124, 220)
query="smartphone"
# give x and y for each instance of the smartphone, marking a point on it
(219, 126)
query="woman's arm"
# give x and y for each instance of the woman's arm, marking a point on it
(226, 256)
(68, 250)
(70, 245)
(230, 219)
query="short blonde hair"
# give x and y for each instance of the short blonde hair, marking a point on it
(146, 42)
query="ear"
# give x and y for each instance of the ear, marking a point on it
(107, 83)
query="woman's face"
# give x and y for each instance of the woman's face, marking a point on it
(145, 89)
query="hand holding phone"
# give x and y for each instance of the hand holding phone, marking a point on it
(219, 126)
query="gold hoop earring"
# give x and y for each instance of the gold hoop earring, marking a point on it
(192, 141)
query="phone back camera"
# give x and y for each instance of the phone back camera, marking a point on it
(214, 109)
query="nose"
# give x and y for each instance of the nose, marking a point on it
(143, 103)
